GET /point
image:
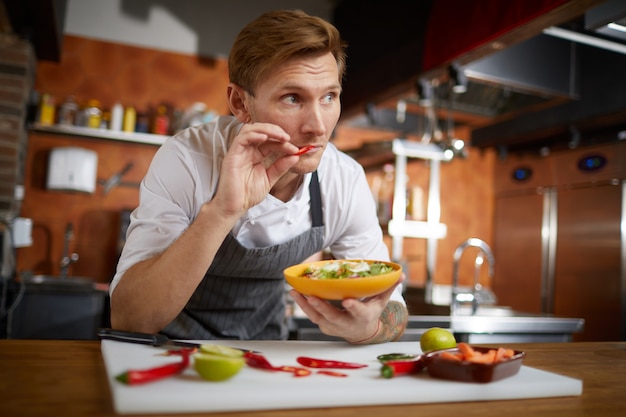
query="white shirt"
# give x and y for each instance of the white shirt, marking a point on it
(184, 175)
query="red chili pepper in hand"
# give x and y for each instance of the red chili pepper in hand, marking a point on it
(304, 150)
(323, 363)
(141, 376)
(402, 367)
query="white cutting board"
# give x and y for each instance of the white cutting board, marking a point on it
(254, 389)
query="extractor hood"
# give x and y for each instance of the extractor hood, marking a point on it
(547, 71)
(531, 75)
(523, 85)
(596, 107)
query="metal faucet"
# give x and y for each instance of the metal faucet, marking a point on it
(457, 295)
(67, 258)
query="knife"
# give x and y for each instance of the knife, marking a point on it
(158, 340)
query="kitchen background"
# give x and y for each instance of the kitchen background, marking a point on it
(511, 182)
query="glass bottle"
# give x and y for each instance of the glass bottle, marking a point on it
(385, 196)
(130, 119)
(117, 117)
(161, 121)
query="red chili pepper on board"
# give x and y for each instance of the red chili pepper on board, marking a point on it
(402, 367)
(324, 363)
(333, 373)
(176, 352)
(295, 370)
(141, 376)
(254, 360)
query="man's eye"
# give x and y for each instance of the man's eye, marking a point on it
(291, 99)
(328, 98)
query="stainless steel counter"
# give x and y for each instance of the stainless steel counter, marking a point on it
(491, 325)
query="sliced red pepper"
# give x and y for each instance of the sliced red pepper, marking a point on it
(173, 352)
(402, 367)
(333, 373)
(304, 150)
(141, 376)
(296, 370)
(329, 364)
(255, 360)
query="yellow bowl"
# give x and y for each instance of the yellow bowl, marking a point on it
(341, 288)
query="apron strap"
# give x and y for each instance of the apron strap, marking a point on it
(316, 201)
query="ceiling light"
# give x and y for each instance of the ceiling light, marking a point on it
(458, 79)
(458, 144)
(448, 154)
(401, 111)
(424, 93)
(585, 39)
(616, 26)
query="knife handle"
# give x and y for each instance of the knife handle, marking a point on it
(132, 337)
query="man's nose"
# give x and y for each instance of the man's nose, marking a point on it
(315, 121)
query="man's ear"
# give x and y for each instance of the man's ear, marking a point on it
(238, 102)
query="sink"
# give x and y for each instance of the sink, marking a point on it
(490, 311)
(57, 283)
(492, 324)
(55, 307)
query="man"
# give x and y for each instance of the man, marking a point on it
(226, 206)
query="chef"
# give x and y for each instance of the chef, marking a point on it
(227, 205)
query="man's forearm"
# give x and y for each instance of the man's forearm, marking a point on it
(152, 292)
(391, 324)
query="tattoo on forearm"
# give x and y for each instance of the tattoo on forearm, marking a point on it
(391, 325)
(393, 322)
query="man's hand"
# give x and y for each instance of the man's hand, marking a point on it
(258, 156)
(374, 320)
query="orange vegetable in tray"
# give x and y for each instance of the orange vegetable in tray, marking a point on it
(466, 353)
(473, 364)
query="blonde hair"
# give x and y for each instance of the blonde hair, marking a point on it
(276, 37)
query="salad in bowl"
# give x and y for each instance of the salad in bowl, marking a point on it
(340, 279)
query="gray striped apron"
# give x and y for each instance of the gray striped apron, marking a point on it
(242, 295)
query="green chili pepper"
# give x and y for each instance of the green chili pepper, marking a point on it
(394, 356)
(402, 367)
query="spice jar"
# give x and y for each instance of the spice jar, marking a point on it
(47, 109)
(130, 119)
(68, 111)
(117, 117)
(161, 121)
(93, 114)
(143, 123)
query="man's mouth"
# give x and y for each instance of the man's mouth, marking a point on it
(304, 149)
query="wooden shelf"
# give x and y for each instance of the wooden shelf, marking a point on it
(88, 132)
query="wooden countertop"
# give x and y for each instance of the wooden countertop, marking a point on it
(68, 378)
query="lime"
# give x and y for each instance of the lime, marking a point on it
(217, 367)
(436, 338)
(221, 350)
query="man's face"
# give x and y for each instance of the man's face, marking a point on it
(302, 97)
